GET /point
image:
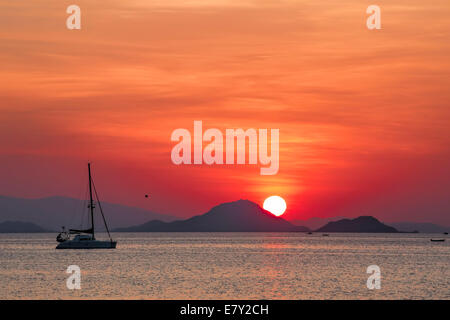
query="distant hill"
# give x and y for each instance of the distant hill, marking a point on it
(315, 222)
(237, 216)
(20, 227)
(53, 212)
(360, 224)
(420, 227)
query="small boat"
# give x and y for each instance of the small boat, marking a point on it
(325, 235)
(445, 232)
(85, 239)
(437, 240)
(309, 232)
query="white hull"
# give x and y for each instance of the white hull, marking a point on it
(87, 244)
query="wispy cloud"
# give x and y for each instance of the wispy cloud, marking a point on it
(349, 102)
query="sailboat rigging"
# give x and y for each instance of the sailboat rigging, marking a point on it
(85, 239)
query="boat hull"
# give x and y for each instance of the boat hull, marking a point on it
(87, 244)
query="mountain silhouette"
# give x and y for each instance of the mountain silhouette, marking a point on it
(237, 216)
(53, 212)
(315, 222)
(360, 224)
(20, 227)
(422, 227)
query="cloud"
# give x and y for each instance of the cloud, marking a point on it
(350, 104)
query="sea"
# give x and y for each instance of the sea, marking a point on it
(229, 266)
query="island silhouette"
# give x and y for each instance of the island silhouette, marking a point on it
(20, 227)
(237, 216)
(360, 224)
(247, 216)
(49, 214)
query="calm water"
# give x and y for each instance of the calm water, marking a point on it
(228, 266)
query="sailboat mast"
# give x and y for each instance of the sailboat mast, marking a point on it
(91, 203)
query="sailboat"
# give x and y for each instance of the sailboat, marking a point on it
(85, 239)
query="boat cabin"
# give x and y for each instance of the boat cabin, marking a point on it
(82, 237)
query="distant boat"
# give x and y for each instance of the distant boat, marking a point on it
(325, 235)
(445, 232)
(309, 232)
(85, 239)
(437, 240)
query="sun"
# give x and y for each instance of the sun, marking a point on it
(275, 205)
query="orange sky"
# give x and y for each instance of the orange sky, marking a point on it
(363, 115)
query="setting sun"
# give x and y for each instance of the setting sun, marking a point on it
(275, 205)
